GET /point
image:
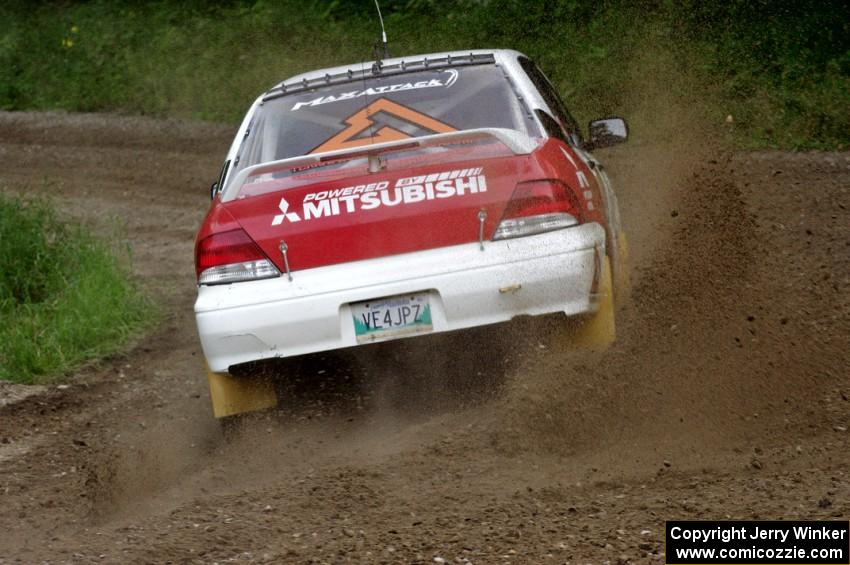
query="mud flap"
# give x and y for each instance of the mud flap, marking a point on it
(597, 331)
(231, 395)
(622, 274)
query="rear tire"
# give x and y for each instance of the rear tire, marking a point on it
(232, 426)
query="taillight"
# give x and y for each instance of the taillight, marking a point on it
(536, 207)
(229, 257)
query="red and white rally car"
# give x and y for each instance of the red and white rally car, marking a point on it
(401, 197)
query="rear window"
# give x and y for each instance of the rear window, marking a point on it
(383, 108)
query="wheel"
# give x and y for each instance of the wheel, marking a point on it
(237, 395)
(245, 424)
(598, 330)
(232, 426)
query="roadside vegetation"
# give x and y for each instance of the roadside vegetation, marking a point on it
(765, 73)
(65, 295)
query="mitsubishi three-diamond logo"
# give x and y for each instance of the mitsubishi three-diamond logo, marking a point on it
(284, 215)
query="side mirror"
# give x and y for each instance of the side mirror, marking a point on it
(213, 190)
(607, 132)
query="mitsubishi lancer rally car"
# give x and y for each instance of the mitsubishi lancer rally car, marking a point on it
(398, 198)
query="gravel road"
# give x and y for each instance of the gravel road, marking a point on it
(725, 396)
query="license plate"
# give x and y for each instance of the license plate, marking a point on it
(391, 317)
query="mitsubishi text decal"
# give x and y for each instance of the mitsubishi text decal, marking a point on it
(408, 190)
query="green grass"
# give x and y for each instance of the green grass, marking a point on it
(781, 68)
(65, 295)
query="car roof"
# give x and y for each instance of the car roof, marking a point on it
(393, 65)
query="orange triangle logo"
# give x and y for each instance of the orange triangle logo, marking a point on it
(362, 120)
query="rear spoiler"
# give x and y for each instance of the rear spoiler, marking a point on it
(518, 142)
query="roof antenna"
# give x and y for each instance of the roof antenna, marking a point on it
(376, 68)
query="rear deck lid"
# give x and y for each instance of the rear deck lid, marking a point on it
(455, 196)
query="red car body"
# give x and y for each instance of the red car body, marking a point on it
(420, 195)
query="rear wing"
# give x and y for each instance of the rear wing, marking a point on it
(518, 142)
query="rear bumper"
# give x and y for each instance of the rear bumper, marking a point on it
(534, 275)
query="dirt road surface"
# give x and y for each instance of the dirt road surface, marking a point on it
(725, 396)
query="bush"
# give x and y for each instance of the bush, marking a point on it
(780, 67)
(65, 296)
